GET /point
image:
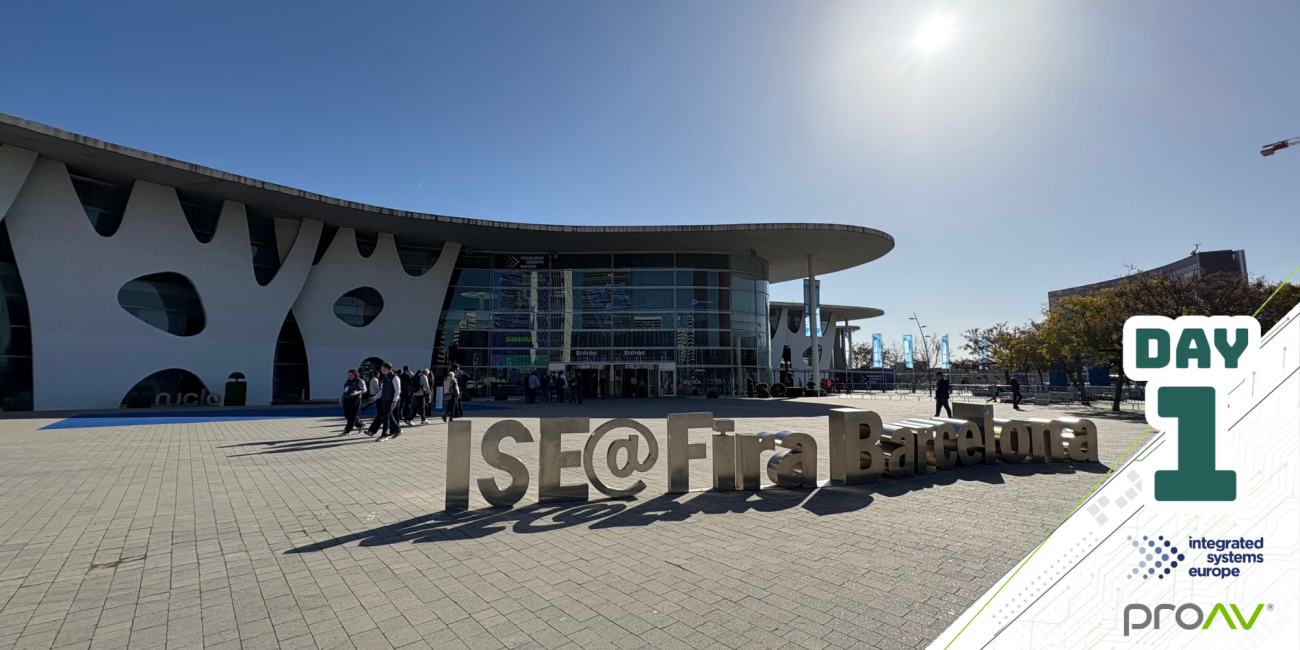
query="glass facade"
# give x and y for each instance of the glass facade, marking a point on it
(359, 307)
(104, 203)
(15, 333)
(167, 301)
(627, 325)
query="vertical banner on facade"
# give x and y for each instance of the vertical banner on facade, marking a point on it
(848, 348)
(877, 349)
(907, 350)
(812, 304)
(983, 347)
(944, 358)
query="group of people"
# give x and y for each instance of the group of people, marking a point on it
(397, 397)
(554, 387)
(942, 392)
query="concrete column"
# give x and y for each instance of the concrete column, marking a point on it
(813, 322)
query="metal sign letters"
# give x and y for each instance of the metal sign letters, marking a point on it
(862, 449)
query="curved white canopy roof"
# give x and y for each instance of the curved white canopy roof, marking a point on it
(785, 246)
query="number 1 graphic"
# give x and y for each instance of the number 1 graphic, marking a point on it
(1196, 479)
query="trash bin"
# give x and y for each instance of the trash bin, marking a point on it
(236, 390)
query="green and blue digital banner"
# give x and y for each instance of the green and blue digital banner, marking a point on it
(1192, 538)
(877, 354)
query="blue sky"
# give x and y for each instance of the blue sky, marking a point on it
(1046, 145)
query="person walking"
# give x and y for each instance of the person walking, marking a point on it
(450, 394)
(941, 395)
(387, 401)
(368, 400)
(420, 394)
(1015, 393)
(561, 383)
(407, 379)
(353, 389)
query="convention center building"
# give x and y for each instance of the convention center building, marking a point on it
(135, 280)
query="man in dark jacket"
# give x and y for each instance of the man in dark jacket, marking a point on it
(941, 395)
(1015, 393)
(388, 401)
(408, 390)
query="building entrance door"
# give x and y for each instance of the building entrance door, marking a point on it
(591, 378)
(636, 380)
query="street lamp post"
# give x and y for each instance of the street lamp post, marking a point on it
(1270, 149)
(920, 330)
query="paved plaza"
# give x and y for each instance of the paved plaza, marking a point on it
(280, 533)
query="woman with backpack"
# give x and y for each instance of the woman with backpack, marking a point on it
(450, 394)
(420, 393)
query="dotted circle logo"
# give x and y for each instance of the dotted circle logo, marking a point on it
(1156, 557)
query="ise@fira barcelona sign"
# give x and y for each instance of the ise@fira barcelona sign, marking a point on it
(862, 449)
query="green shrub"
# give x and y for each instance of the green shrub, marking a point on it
(778, 390)
(713, 394)
(749, 387)
(761, 391)
(794, 391)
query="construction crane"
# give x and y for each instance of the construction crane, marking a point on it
(1270, 149)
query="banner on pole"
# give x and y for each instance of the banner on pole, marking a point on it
(945, 359)
(812, 305)
(907, 350)
(876, 356)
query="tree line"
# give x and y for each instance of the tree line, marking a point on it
(1086, 331)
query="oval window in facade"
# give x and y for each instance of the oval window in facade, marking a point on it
(807, 355)
(359, 307)
(167, 301)
(170, 387)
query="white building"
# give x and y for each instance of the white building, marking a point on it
(134, 279)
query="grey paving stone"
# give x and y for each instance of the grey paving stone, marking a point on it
(280, 533)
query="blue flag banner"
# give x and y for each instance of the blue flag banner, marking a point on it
(876, 349)
(944, 358)
(907, 350)
(812, 305)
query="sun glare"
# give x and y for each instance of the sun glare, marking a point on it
(934, 33)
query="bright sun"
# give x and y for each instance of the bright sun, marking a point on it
(934, 32)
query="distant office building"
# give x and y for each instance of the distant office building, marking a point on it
(1199, 261)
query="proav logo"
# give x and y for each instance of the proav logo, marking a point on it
(1188, 616)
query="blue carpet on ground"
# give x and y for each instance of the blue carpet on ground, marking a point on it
(135, 417)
